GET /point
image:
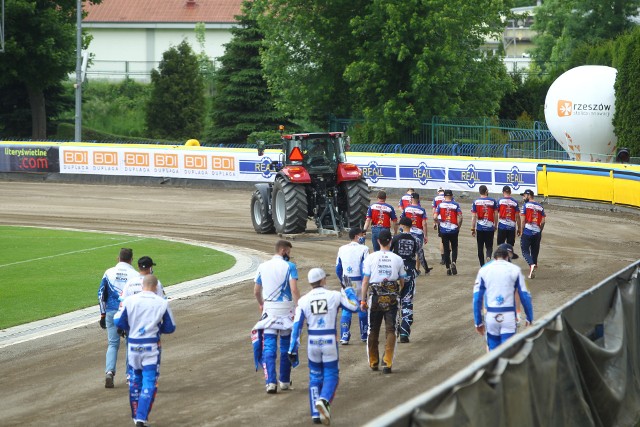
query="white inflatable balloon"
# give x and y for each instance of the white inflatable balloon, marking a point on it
(579, 111)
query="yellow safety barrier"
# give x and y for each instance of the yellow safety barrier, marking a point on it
(606, 182)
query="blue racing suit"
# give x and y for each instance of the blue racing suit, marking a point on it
(319, 308)
(145, 316)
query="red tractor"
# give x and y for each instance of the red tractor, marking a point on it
(313, 181)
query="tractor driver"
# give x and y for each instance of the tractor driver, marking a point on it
(318, 154)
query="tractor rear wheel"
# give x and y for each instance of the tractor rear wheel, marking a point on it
(260, 216)
(289, 207)
(356, 204)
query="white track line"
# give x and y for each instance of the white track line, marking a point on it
(72, 252)
(247, 261)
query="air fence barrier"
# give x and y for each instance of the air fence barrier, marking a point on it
(577, 366)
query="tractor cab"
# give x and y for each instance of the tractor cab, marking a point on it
(314, 151)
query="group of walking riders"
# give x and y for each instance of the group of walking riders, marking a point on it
(378, 286)
(381, 286)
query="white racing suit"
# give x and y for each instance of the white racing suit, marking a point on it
(111, 285)
(319, 309)
(274, 277)
(144, 316)
(133, 287)
(495, 288)
(349, 271)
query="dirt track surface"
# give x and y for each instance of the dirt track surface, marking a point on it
(207, 366)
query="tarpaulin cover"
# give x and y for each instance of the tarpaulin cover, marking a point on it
(579, 366)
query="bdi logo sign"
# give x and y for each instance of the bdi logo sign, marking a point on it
(161, 160)
(105, 158)
(195, 162)
(565, 108)
(138, 160)
(76, 157)
(222, 163)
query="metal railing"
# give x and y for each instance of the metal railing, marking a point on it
(478, 137)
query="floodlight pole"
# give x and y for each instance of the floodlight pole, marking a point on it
(78, 85)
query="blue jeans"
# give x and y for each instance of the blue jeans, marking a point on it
(530, 246)
(375, 232)
(113, 342)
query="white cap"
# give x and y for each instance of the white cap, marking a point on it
(316, 274)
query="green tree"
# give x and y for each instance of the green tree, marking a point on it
(308, 45)
(564, 25)
(626, 120)
(40, 51)
(15, 111)
(207, 69)
(593, 54)
(417, 59)
(176, 106)
(526, 98)
(242, 103)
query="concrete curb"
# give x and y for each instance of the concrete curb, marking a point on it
(247, 261)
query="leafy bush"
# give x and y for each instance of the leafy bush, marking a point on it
(115, 108)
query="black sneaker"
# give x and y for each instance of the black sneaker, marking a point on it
(442, 262)
(454, 270)
(404, 338)
(374, 368)
(324, 409)
(316, 420)
(386, 370)
(448, 272)
(428, 270)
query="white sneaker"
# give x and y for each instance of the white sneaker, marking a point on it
(272, 388)
(532, 271)
(323, 409)
(285, 386)
(344, 342)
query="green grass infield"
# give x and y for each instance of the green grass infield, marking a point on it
(44, 272)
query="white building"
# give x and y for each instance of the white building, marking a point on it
(130, 36)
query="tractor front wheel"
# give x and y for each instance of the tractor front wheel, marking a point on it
(260, 216)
